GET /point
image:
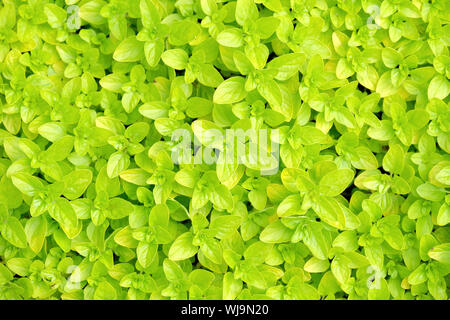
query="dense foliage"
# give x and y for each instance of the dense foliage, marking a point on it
(354, 95)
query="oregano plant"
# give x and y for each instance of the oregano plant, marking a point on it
(224, 149)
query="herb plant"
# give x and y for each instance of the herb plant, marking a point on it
(119, 177)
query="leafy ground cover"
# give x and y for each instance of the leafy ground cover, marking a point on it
(116, 121)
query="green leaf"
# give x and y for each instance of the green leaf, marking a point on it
(212, 249)
(329, 210)
(129, 50)
(340, 269)
(146, 253)
(231, 286)
(135, 176)
(175, 58)
(439, 88)
(124, 237)
(315, 265)
(149, 14)
(117, 163)
(208, 133)
(430, 192)
(418, 276)
(224, 226)
(287, 65)
(90, 12)
(221, 197)
(137, 131)
(26, 183)
(209, 76)
(76, 183)
(304, 291)
(172, 271)
(385, 87)
(441, 253)
(5, 274)
(60, 149)
(182, 248)
(231, 37)
(379, 291)
(314, 238)
(201, 278)
(52, 131)
(347, 241)
(183, 31)
(266, 26)
(154, 110)
(230, 91)
(19, 266)
(291, 205)
(198, 107)
(393, 160)
(119, 208)
(65, 215)
(439, 175)
(257, 55)
(246, 11)
(208, 6)
(276, 232)
(270, 90)
(105, 291)
(36, 232)
(311, 136)
(13, 232)
(391, 57)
